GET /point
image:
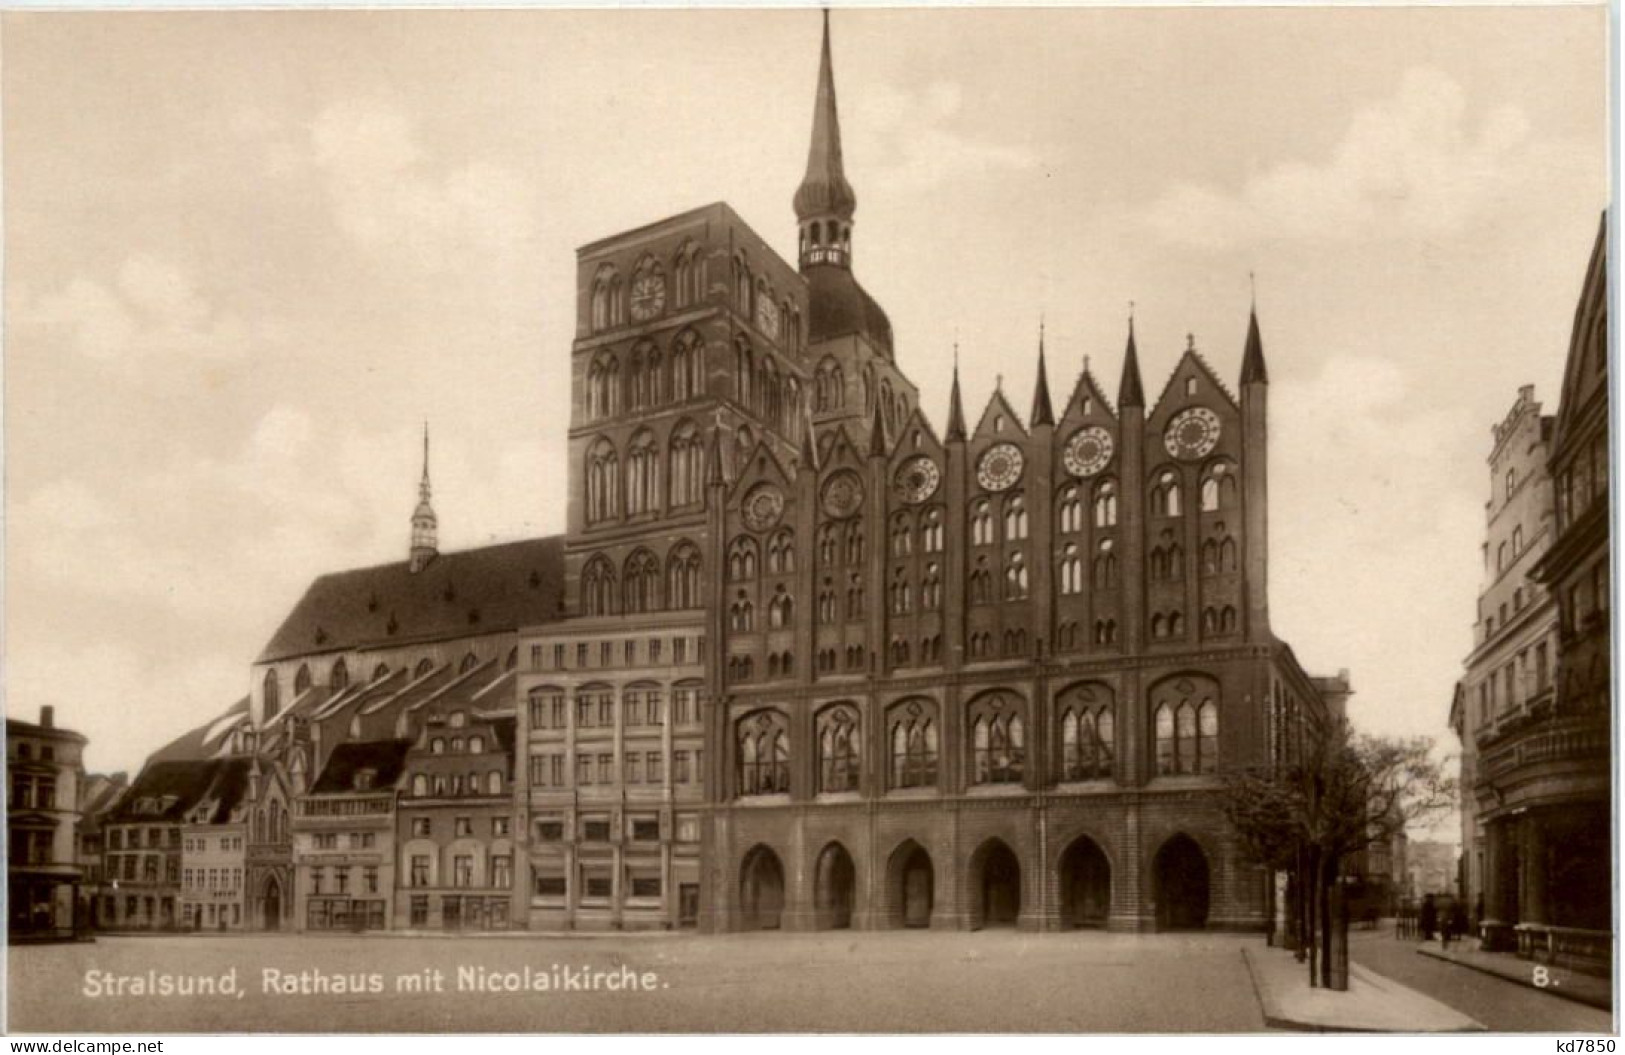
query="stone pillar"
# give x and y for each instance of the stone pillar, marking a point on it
(1533, 904)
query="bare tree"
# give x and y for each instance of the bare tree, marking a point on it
(1345, 792)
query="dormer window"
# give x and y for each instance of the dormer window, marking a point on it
(457, 720)
(364, 779)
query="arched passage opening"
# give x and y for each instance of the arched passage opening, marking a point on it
(1086, 884)
(761, 890)
(911, 886)
(1180, 874)
(995, 885)
(271, 905)
(835, 888)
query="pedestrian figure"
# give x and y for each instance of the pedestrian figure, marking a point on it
(1430, 917)
(1458, 919)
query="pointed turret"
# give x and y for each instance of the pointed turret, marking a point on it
(809, 444)
(1043, 412)
(1129, 392)
(877, 434)
(956, 407)
(425, 525)
(825, 201)
(1252, 360)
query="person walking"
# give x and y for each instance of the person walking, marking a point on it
(1430, 917)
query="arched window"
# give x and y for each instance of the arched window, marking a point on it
(1015, 518)
(763, 744)
(687, 366)
(603, 386)
(493, 783)
(912, 733)
(742, 559)
(744, 373)
(642, 474)
(902, 535)
(1071, 569)
(854, 597)
(301, 680)
(425, 665)
(931, 530)
(683, 577)
(1186, 712)
(1087, 733)
(272, 696)
(1015, 577)
(1165, 500)
(339, 677)
(476, 745)
(1105, 565)
(603, 481)
(902, 597)
(603, 290)
(1218, 487)
(437, 746)
(744, 444)
(1106, 504)
(998, 739)
(380, 672)
(852, 543)
(641, 583)
(685, 465)
(1070, 510)
(981, 524)
(742, 614)
(780, 610)
(827, 547)
(598, 587)
(838, 749)
(931, 588)
(781, 552)
(981, 584)
(1517, 540)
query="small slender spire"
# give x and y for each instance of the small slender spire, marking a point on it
(877, 434)
(809, 440)
(1043, 411)
(825, 201)
(425, 525)
(956, 406)
(1252, 360)
(1129, 392)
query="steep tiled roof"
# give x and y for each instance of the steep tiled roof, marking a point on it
(385, 758)
(205, 740)
(477, 591)
(171, 788)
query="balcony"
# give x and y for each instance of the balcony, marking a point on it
(1528, 741)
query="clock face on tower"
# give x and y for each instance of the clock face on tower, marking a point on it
(767, 317)
(1000, 467)
(648, 296)
(1088, 451)
(1192, 433)
(916, 479)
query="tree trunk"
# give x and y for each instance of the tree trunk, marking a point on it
(1312, 920)
(1338, 951)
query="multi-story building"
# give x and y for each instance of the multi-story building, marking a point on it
(145, 847)
(1543, 779)
(214, 834)
(455, 814)
(45, 767)
(100, 793)
(978, 676)
(612, 790)
(344, 838)
(1511, 668)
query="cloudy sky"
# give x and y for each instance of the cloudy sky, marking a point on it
(247, 254)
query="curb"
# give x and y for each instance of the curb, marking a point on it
(1572, 995)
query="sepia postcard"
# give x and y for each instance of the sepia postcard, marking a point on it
(1006, 520)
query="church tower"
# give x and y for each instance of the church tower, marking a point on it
(849, 335)
(425, 545)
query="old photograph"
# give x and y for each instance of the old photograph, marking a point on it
(1008, 520)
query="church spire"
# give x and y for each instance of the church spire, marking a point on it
(1043, 411)
(1252, 360)
(425, 545)
(956, 406)
(825, 201)
(1129, 392)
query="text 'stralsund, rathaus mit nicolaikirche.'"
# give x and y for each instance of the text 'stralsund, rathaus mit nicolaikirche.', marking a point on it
(801, 660)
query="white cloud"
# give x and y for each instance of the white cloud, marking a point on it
(1411, 165)
(150, 310)
(388, 199)
(917, 140)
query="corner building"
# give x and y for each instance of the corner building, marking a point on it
(984, 676)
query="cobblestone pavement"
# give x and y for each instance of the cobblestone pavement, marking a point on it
(1503, 1006)
(999, 981)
